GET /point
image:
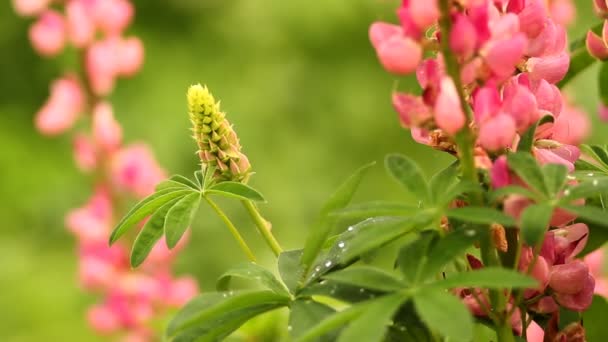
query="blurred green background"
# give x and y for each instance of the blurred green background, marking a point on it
(298, 79)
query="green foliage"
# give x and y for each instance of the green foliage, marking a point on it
(534, 222)
(235, 190)
(526, 167)
(527, 139)
(367, 277)
(407, 173)
(488, 277)
(444, 313)
(480, 215)
(255, 272)
(179, 218)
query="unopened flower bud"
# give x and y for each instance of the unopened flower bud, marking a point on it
(216, 139)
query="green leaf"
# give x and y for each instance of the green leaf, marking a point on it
(534, 222)
(376, 208)
(290, 269)
(236, 190)
(144, 208)
(407, 172)
(447, 249)
(555, 177)
(213, 307)
(367, 277)
(598, 236)
(594, 215)
(480, 215)
(456, 190)
(150, 234)
(253, 272)
(500, 193)
(585, 189)
(171, 184)
(198, 175)
(581, 165)
(180, 217)
(413, 255)
(596, 153)
(208, 177)
(332, 323)
(444, 313)
(526, 167)
(185, 181)
(441, 181)
(339, 291)
(305, 314)
(372, 324)
(527, 139)
(322, 228)
(594, 318)
(488, 277)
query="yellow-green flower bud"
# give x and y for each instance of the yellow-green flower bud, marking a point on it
(217, 142)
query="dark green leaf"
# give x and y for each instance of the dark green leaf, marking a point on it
(290, 268)
(581, 165)
(488, 277)
(444, 313)
(443, 180)
(253, 272)
(594, 215)
(367, 277)
(457, 190)
(527, 139)
(526, 167)
(339, 291)
(594, 319)
(305, 314)
(144, 208)
(180, 217)
(150, 234)
(211, 307)
(322, 228)
(413, 256)
(500, 193)
(372, 324)
(407, 172)
(585, 189)
(480, 215)
(534, 222)
(555, 177)
(597, 153)
(376, 208)
(332, 323)
(236, 190)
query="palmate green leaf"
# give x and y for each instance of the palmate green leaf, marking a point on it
(339, 291)
(180, 217)
(488, 277)
(413, 255)
(251, 271)
(446, 249)
(144, 208)
(534, 222)
(322, 228)
(555, 177)
(290, 269)
(151, 232)
(456, 190)
(443, 312)
(185, 181)
(585, 189)
(376, 208)
(200, 177)
(212, 308)
(527, 139)
(595, 215)
(171, 184)
(367, 277)
(480, 215)
(371, 325)
(236, 190)
(526, 167)
(407, 172)
(441, 181)
(498, 194)
(581, 165)
(333, 322)
(306, 313)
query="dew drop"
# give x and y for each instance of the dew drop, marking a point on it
(590, 174)
(318, 269)
(289, 328)
(341, 244)
(470, 232)
(351, 228)
(328, 264)
(567, 192)
(361, 290)
(595, 182)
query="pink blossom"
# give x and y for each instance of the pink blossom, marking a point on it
(28, 8)
(423, 13)
(502, 56)
(463, 37)
(181, 291)
(85, 153)
(603, 112)
(96, 274)
(91, 223)
(499, 173)
(532, 18)
(101, 66)
(572, 127)
(569, 278)
(497, 133)
(448, 112)
(62, 108)
(399, 54)
(102, 319)
(80, 23)
(134, 168)
(113, 16)
(596, 45)
(130, 56)
(563, 11)
(411, 109)
(580, 300)
(550, 68)
(601, 6)
(595, 261)
(107, 133)
(48, 34)
(535, 333)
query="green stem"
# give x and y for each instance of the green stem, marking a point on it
(263, 227)
(235, 233)
(505, 333)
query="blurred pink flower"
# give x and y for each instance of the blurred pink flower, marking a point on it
(130, 56)
(80, 23)
(135, 169)
(113, 16)
(107, 133)
(85, 153)
(101, 61)
(596, 263)
(48, 34)
(28, 8)
(103, 319)
(61, 110)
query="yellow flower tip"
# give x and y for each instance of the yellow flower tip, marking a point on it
(200, 100)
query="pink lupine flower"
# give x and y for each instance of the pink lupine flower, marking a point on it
(91, 223)
(103, 319)
(499, 173)
(130, 56)
(80, 23)
(463, 37)
(564, 154)
(181, 291)
(48, 34)
(113, 16)
(562, 11)
(569, 278)
(535, 333)
(423, 13)
(550, 68)
(545, 305)
(61, 110)
(497, 133)
(85, 153)
(397, 53)
(603, 112)
(580, 300)
(28, 8)
(601, 6)
(548, 96)
(532, 18)
(572, 127)
(411, 109)
(96, 274)
(595, 261)
(101, 65)
(521, 105)
(134, 168)
(502, 56)
(107, 133)
(597, 46)
(448, 112)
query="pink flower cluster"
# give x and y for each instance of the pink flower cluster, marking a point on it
(131, 298)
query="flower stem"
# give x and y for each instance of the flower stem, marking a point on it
(235, 233)
(263, 227)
